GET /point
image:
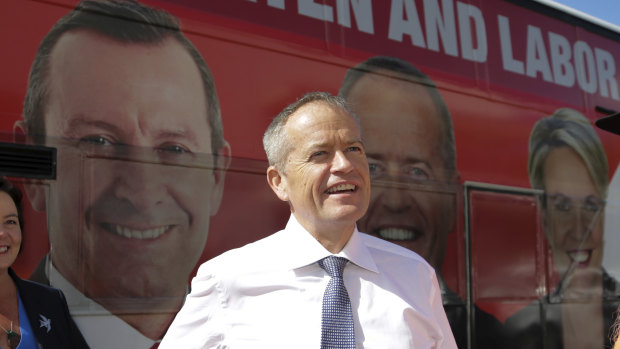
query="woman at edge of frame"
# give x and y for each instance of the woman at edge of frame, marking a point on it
(32, 315)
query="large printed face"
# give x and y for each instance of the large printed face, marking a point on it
(129, 212)
(401, 130)
(10, 231)
(573, 218)
(326, 182)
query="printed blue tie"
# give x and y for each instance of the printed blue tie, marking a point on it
(337, 318)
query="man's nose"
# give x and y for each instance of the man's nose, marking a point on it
(140, 183)
(340, 162)
(396, 197)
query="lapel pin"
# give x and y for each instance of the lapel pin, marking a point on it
(45, 322)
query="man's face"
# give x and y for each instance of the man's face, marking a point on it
(327, 181)
(129, 213)
(573, 218)
(409, 204)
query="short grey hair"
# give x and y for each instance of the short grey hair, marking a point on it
(408, 72)
(567, 128)
(124, 21)
(275, 139)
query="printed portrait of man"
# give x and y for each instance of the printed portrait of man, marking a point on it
(409, 139)
(131, 106)
(410, 144)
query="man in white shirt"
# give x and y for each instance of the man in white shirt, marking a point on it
(269, 294)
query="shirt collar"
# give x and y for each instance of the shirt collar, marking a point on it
(303, 249)
(91, 317)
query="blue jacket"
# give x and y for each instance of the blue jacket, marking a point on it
(49, 315)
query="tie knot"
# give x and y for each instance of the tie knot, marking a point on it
(334, 266)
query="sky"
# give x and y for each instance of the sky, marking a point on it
(607, 10)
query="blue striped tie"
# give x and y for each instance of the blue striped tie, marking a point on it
(337, 319)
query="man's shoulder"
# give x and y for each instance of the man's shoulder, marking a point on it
(249, 256)
(388, 248)
(392, 258)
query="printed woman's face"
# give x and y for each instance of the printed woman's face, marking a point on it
(573, 217)
(10, 231)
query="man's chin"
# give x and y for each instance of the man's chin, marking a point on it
(138, 286)
(141, 303)
(414, 244)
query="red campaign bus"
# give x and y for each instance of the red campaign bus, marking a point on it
(479, 128)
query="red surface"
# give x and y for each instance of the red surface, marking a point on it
(260, 64)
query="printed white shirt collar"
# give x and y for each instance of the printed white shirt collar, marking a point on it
(100, 328)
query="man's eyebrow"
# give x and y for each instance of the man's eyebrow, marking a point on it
(314, 145)
(377, 156)
(82, 121)
(163, 134)
(183, 133)
(355, 140)
(321, 144)
(178, 135)
(407, 160)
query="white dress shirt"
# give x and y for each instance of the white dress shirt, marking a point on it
(268, 294)
(100, 328)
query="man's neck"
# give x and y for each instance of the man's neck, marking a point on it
(333, 244)
(150, 316)
(153, 326)
(333, 236)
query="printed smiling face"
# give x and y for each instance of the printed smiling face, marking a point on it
(573, 217)
(326, 181)
(129, 213)
(403, 140)
(10, 232)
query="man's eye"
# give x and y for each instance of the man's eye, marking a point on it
(173, 149)
(375, 169)
(417, 173)
(354, 149)
(95, 140)
(318, 154)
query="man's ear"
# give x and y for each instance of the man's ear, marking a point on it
(35, 190)
(222, 164)
(278, 183)
(19, 132)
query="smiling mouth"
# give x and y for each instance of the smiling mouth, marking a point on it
(398, 234)
(4, 249)
(581, 257)
(138, 234)
(341, 188)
